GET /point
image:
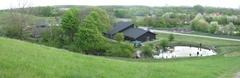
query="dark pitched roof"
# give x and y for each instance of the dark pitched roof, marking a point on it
(119, 27)
(42, 23)
(134, 32)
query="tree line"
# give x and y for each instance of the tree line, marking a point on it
(82, 33)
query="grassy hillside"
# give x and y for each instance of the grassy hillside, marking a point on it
(19, 59)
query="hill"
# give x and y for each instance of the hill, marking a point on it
(19, 59)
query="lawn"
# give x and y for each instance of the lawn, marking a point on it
(19, 59)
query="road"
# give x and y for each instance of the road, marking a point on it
(193, 35)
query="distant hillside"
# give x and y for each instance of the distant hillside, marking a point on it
(131, 10)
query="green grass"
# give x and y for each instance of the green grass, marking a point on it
(19, 59)
(214, 35)
(223, 46)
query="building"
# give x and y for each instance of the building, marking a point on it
(40, 27)
(130, 32)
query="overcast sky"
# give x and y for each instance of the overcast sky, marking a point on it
(4, 4)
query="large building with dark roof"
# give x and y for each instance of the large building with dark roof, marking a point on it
(130, 32)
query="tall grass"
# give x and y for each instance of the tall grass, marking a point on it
(19, 59)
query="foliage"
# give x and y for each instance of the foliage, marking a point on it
(47, 11)
(90, 36)
(96, 20)
(119, 37)
(167, 20)
(238, 31)
(53, 37)
(170, 38)
(70, 23)
(89, 40)
(147, 51)
(102, 19)
(121, 13)
(199, 23)
(164, 44)
(161, 22)
(213, 26)
(120, 50)
(230, 28)
(15, 25)
(198, 8)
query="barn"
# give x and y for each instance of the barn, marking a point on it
(130, 32)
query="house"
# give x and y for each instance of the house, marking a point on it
(130, 32)
(39, 28)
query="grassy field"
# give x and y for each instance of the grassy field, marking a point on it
(19, 59)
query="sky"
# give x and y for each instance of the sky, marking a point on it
(6, 4)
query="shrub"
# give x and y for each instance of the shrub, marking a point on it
(164, 43)
(53, 37)
(199, 23)
(120, 50)
(213, 27)
(147, 51)
(171, 38)
(119, 37)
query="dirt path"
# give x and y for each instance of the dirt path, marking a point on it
(237, 75)
(162, 31)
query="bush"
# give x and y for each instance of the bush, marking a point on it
(164, 43)
(119, 37)
(199, 23)
(147, 51)
(171, 38)
(53, 37)
(120, 50)
(213, 27)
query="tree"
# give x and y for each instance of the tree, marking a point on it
(199, 9)
(121, 13)
(199, 23)
(213, 27)
(119, 37)
(103, 19)
(170, 38)
(97, 20)
(89, 40)
(16, 22)
(148, 21)
(70, 23)
(161, 22)
(53, 37)
(230, 28)
(163, 44)
(238, 31)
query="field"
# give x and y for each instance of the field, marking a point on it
(19, 59)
